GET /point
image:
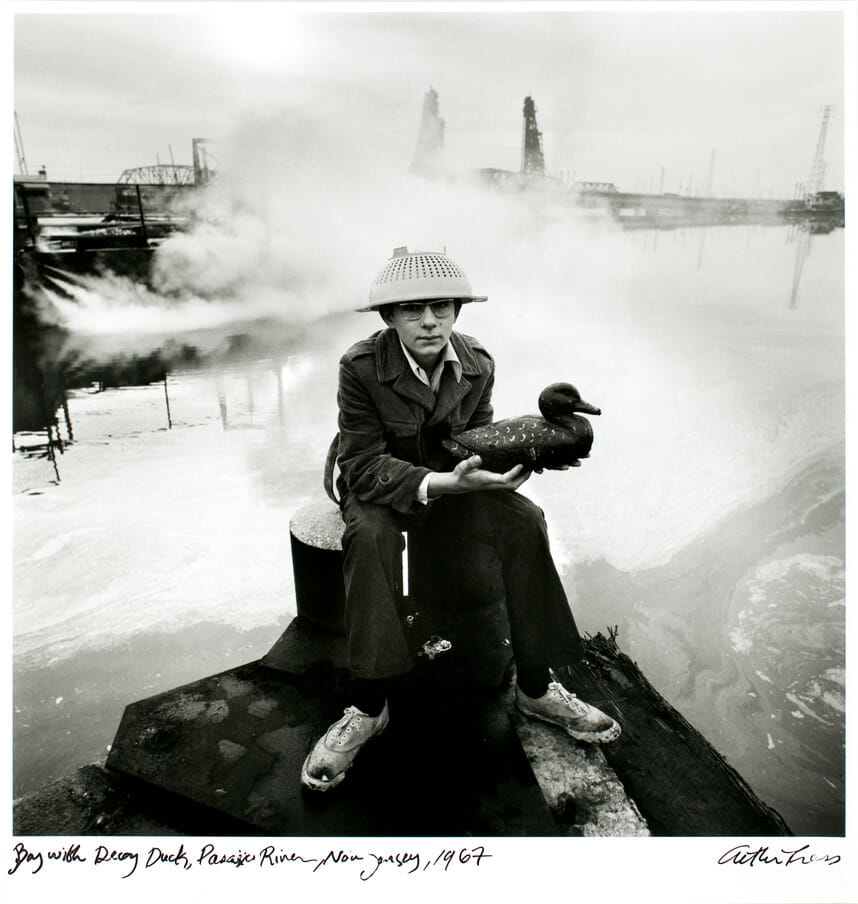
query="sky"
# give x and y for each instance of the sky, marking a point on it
(646, 98)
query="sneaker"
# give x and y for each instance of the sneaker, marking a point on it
(336, 750)
(562, 708)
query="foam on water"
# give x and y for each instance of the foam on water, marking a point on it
(152, 530)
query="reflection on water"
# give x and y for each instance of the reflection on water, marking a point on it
(802, 236)
(708, 523)
(744, 632)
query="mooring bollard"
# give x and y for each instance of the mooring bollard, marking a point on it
(458, 609)
(316, 535)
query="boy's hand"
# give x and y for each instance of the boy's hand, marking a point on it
(469, 476)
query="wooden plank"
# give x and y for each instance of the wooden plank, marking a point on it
(680, 783)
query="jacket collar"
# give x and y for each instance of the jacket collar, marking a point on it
(391, 367)
(390, 362)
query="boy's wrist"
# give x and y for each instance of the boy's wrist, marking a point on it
(440, 483)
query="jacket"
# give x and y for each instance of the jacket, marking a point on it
(391, 424)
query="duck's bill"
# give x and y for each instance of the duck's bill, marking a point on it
(587, 408)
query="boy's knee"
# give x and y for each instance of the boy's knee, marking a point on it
(519, 509)
(366, 522)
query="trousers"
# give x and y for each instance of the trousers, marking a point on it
(542, 628)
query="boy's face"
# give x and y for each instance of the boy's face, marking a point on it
(425, 337)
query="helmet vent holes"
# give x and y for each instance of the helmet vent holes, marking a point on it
(418, 276)
(419, 266)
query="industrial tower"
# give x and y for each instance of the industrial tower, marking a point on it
(202, 171)
(430, 142)
(532, 160)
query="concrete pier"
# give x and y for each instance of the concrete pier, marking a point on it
(223, 755)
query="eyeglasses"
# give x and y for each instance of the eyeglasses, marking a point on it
(441, 309)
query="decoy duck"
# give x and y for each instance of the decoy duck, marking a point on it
(558, 439)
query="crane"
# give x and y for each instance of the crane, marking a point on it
(19, 148)
(817, 168)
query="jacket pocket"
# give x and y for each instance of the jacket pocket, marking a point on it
(402, 440)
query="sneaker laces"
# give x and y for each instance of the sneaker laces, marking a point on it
(578, 707)
(350, 720)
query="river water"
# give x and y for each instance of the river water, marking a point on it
(708, 524)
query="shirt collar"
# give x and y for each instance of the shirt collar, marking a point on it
(448, 355)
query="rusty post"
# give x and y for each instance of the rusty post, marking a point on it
(167, 397)
(51, 453)
(69, 430)
(142, 218)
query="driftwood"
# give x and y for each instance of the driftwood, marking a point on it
(680, 783)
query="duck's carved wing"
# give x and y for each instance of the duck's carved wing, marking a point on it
(506, 435)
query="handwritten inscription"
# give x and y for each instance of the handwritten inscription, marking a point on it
(129, 862)
(35, 860)
(745, 855)
(177, 858)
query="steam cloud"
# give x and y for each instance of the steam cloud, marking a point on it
(295, 227)
(709, 387)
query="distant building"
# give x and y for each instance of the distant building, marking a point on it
(428, 156)
(826, 200)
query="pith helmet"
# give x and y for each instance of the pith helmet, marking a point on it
(419, 276)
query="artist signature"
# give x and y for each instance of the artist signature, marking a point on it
(745, 855)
